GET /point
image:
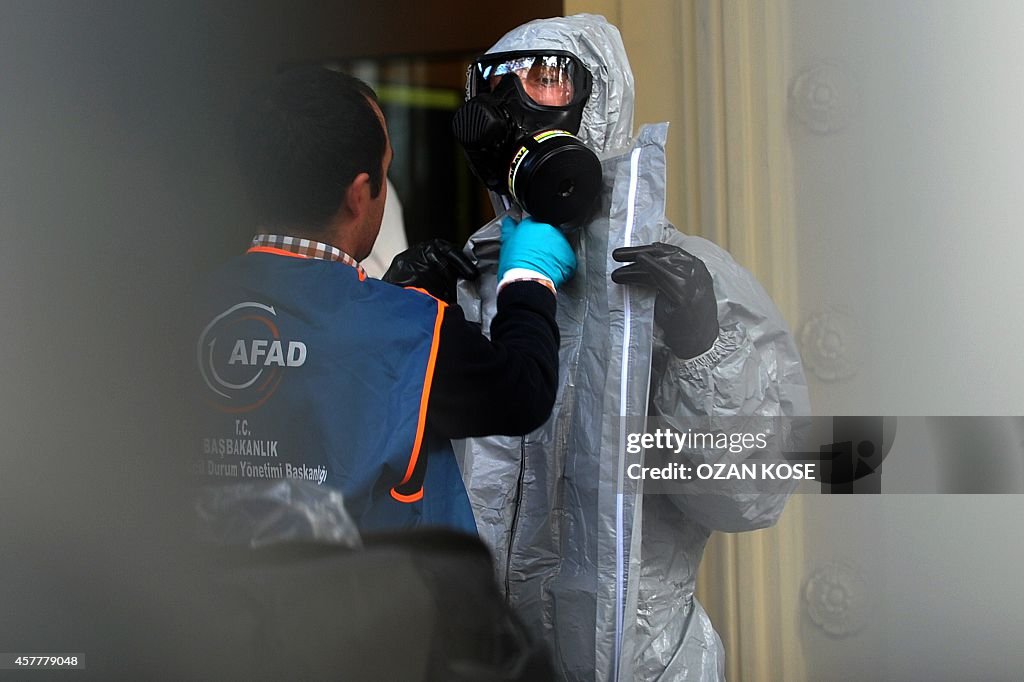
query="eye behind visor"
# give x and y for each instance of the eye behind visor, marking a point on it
(548, 79)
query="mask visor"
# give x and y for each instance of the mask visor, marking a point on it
(549, 79)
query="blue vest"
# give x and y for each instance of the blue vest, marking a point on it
(310, 372)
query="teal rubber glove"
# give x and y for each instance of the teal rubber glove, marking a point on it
(536, 246)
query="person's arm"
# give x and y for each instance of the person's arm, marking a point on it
(504, 385)
(752, 368)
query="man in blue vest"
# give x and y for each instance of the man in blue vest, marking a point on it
(312, 371)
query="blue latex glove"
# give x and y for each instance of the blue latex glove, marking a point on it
(535, 246)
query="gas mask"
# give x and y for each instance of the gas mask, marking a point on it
(518, 129)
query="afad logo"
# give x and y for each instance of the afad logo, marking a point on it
(242, 357)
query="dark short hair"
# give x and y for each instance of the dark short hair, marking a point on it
(301, 140)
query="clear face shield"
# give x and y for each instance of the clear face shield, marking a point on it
(547, 78)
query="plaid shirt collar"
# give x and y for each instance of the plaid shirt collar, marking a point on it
(306, 248)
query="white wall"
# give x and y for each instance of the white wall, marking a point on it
(907, 136)
(911, 216)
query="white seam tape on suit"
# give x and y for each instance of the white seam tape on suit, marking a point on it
(620, 569)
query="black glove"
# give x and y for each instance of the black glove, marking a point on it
(685, 308)
(435, 265)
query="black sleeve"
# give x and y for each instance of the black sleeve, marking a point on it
(502, 386)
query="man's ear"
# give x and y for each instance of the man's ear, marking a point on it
(357, 196)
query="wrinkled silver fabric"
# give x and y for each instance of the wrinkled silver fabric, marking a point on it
(262, 513)
(608, 579)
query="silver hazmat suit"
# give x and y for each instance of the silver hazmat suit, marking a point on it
(608, 577)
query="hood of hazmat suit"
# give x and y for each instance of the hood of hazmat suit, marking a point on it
(605, 573)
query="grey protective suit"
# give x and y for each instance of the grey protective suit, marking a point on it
(603, 571)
